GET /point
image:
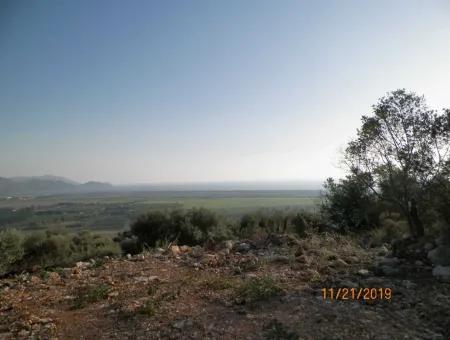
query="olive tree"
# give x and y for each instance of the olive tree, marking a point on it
(403, 150)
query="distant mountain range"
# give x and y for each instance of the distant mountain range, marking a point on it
(49, 185)
(46, 185)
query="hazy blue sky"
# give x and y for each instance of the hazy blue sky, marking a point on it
(163, 91)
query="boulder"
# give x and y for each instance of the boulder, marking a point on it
(442, 273)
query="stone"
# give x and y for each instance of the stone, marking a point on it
(185, 249)
(242, 247)
(35, 280)
(54, 278)
(408, 284)
(442, 273)
(374, 282)
(304, 260)
(339, 263)
(428, 246)
(82, 265)
(209, 260)
(181, 324)
(139, 257)
(383, 251)
(390, 270)
(363, 272)
(280, 259)
(348, 284)
(197, 252)
(227, 244)
(23, 333)
(224, 252)
(113, 294)
(175, 250)
(387, 260)
(440, 256)
(141, 279)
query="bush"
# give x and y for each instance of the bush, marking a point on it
(248, 225)
(50, 248)
(90, 294)
(131, 246)
(46, 249)
(191, 227)
(390, 231)
(153, 227)
(257, 289)
(350, 204)
(86, 245)
(300, 225)
(11, 249)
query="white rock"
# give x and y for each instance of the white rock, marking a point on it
(363, 272)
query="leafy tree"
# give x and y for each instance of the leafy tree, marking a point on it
(401, 151)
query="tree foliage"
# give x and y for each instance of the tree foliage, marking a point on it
(349, 203)
(401, 152)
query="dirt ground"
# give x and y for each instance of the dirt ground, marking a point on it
(265, 292)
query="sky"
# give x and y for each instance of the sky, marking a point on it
(206, 91)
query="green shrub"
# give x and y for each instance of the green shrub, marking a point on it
(149, 308)
(11, 249)
(389, 231)
(350, 204)
(50, 248)
(152, 227)
(248, 225)
(300, 225)
(90, 294)
(131, 246)
(87, 245)
(257, 289)
(191, 227)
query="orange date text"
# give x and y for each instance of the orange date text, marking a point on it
(357, 293)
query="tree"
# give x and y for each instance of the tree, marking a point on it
(401, 151)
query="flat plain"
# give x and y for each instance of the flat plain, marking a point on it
(114, 211)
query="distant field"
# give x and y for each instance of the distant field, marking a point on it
(115, 211)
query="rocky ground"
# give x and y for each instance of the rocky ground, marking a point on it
(271, 289)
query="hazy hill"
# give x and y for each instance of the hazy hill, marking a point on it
(43, 185)
(21, 179)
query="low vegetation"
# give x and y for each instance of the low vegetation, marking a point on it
(90, 294)
(51, 248)
(257, 289)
